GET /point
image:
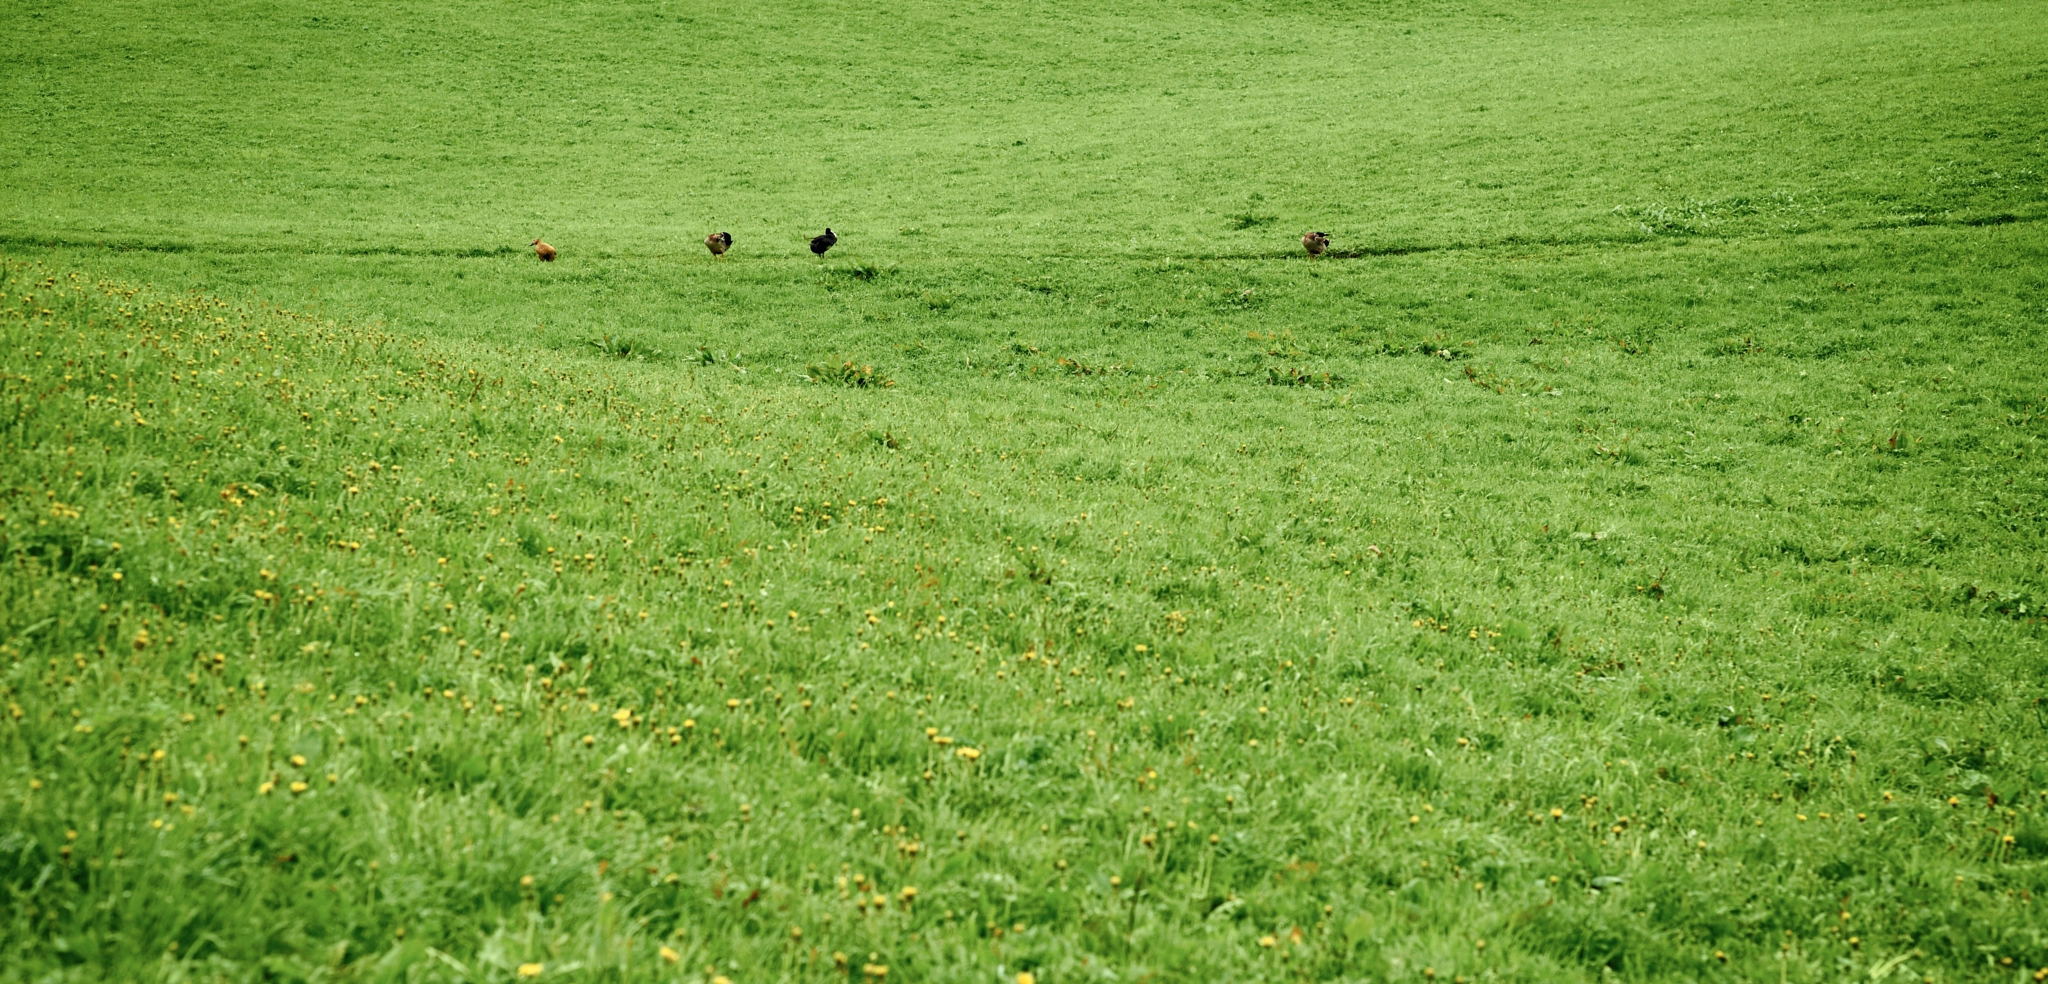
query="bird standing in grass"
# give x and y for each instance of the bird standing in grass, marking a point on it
(1315, 243)
(543, 250)
(718, 243)
(819, 244)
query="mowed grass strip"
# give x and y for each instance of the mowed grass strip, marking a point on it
(398, 656)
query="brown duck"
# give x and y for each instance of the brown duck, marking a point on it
(1315, 242)
(543, 250)
(718, 243)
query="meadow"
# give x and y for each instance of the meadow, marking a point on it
(1621, 558)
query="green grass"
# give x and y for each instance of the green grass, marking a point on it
(1628, 553)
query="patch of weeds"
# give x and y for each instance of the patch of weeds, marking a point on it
(1253, 215)
(1488, 379)
(1694, 217)
(1663, 219)
(847, 373)
(1276, 343)
(1238, 300)
(622, 347)
(1740, 347)
(1620, 452)
(1077, 367)
(1438, 346)
(1302, 377)
(2011, 604)
(1688, 218)
(712, 357)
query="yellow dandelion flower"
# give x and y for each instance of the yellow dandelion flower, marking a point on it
(970, 754)
(1024, 977)
(299, 786)
(531, 969)
(1267, 941)
(669, 955)
(589, 740)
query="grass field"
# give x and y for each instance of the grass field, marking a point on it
(1622, 558)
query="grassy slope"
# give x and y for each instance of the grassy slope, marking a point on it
(1321, 569)
(1081, 131)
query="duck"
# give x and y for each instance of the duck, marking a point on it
(543, 250)
(718, 243)
(819, 244)
(1315, 242)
